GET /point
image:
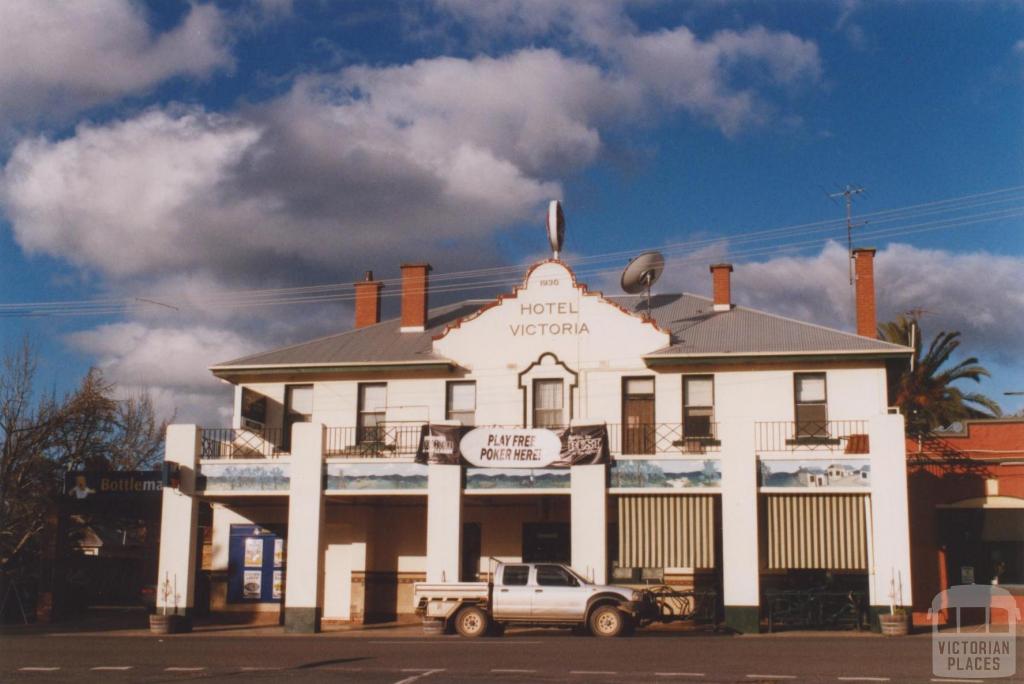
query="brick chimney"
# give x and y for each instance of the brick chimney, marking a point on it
(414, 297)
(864, 270)
(721, 285)
(368, 301)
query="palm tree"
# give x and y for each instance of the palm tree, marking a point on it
(924, 391)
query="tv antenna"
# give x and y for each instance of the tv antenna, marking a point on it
(556, 227)
(641, 273)
(848, 193)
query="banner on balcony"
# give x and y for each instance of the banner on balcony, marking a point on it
(487, 447)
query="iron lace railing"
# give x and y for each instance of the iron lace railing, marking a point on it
(849, 436)
(661, 438)
(379, 441)
(402, 440)
(229, 443)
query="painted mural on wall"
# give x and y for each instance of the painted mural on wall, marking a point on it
(816, 473)
(251, 477)
(666, 474)
(363, 476)
(517, 478)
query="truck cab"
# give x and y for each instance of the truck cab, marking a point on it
(538, 594)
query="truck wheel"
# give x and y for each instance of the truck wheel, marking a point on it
(608, 621)
(471, 622)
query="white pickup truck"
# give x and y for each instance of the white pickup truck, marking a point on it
(537, 594)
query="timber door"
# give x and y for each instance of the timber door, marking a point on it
(469, 570)
(638, 416)
(546, 542)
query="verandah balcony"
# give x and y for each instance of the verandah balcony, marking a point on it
(847, 436)
(243, 443)
(401, 440)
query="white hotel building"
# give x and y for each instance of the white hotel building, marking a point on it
(749, 452)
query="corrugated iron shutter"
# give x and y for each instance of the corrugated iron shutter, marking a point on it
(667, 531)
(817, 531)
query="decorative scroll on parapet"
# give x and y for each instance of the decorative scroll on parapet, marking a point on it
(551, 312)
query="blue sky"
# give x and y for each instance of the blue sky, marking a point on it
(185, 153)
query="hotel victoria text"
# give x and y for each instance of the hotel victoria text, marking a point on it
(680, 439)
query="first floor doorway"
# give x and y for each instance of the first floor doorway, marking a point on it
(546, 542)
(469, 567)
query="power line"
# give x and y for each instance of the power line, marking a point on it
(477, 279)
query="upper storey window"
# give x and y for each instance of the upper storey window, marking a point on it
(373, 401)
(254, 409)
(811, 408)
(698, 405)
(460, 404)
(548, 404)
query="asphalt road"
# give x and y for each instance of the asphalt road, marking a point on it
(527, 656)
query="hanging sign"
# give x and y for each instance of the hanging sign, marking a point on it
(510, 448)
(489, 447)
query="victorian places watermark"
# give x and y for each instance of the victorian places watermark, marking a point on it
(978, 640)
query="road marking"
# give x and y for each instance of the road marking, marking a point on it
(592, 672)
(510, 669)
(863, 679)
(38, 669)
(764, 676)
(184, 669)
(111, 668)
(249, 668)
(421, 675)
(679, 674)
(944, 679)
(457, 640)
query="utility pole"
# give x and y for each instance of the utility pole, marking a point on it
(848, 193)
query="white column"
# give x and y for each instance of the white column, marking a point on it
(304, 575)
(236, 414)
(178, 518)
(889, 550)
(740, 557)
(444, 522)
(589, 511)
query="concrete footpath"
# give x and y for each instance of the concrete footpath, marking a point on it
(133, 622)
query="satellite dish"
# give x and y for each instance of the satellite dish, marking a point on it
(641, 273)
(556, 226)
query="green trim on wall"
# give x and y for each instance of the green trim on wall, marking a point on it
(743, 619)
(302, 620)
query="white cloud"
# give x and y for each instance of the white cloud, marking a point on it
(59, 57)
(346, 171)
(590, 23)
(339, 170)
(124, 198)
(980, 294)
(696, 75)
(169, 362)
(676, 66)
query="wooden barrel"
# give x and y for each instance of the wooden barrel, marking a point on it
(160, 624)
(433, 626)
(894, 625)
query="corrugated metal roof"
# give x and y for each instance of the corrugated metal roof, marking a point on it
(381, 343)
(696, 329)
